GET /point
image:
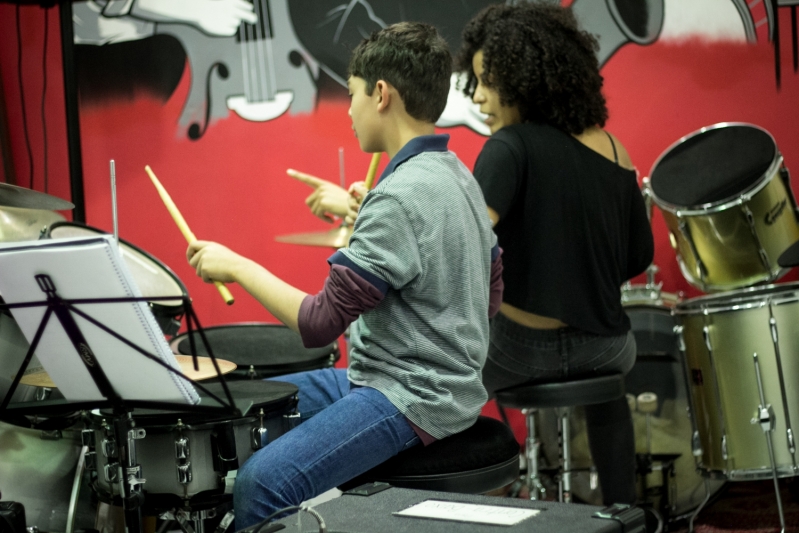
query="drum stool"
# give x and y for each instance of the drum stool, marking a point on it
(483, 458)
(562, 396)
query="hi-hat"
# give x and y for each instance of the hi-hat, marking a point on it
(335, 238)
(18, 224)
(790, 257)
(13, 196)
(206, 371)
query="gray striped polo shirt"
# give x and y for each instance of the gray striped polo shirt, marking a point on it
(424, 238)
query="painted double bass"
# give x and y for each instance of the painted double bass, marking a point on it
(260, 73)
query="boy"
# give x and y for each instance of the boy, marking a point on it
(420, 273)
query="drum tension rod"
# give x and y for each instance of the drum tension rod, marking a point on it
(766, 418)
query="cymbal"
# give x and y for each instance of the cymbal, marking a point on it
(40, 378)
(335, 238)
(790, 257)
(18, 224)
(14, 196)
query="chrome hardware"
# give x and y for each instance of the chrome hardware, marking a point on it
(184, 473)
(259, 437)
(109, 447)
(772, 322)
(91, 460)
(292, 420)
(724, 454)
(696, 444)
(87, 438)
(111, 472)
(182, 450)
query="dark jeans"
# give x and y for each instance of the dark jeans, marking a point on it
(518, 354)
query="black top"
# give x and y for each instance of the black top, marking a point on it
(573, 226)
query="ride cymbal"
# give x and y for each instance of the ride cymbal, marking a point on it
(335, 238)
(14, 196)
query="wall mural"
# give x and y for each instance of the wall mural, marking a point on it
(265, 58)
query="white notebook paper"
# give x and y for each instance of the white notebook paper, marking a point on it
(84, 268)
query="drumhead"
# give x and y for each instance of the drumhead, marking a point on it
(740, 299)
(152, 276)
(713, 165)
(271, 396)
(262, 346)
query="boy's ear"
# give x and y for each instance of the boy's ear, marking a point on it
(383, 94)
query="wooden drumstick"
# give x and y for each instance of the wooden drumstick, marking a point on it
(370, 175)
(183, 227)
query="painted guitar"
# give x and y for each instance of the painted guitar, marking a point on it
(259, 74)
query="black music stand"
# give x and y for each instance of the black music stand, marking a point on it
(42, 261)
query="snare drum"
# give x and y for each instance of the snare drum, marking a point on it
(186, 456)
(658, 369)
(259, 350)
(721, 334)
(729, 219)
(152, 277)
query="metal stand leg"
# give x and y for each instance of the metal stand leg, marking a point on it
(701, 506)
(766, 419)
(565, 485)
(531, 449)
(73, 498)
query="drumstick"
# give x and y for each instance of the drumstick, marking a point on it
(370, 175)
(183, 227)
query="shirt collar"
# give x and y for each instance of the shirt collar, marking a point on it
(416, 146)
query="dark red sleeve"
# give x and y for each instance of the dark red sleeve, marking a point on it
(497, 286)
(325, 316)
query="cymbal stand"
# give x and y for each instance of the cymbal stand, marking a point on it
(114, 200)
(766, 418)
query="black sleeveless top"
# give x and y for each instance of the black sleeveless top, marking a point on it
(573, 226)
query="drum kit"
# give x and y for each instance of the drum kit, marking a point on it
(188, 458)
(714, 391)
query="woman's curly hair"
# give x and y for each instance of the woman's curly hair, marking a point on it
(536, 58)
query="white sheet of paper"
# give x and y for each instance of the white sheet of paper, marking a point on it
(468, 512)
(89, 268)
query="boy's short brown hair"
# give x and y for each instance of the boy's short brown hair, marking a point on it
(413, 58)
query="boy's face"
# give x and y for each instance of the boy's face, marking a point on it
(499, 115)
(364, 115)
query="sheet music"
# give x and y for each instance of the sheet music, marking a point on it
(83, 268)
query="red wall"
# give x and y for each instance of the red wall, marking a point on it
(231, 185)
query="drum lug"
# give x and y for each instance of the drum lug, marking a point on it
(791, 442)
(251, 373)
(292, 420)
(724, 454)
(259, 437)
(87, 438)
(750, 220)
(182, 454)
(696, 444)
(182, 450)
(112, 472)
(773, 324)
(184, 473)
(109, 447)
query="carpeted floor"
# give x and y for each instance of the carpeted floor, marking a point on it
(749, 507)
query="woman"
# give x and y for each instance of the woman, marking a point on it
(569, 215)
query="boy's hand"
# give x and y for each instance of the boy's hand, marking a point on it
(214, 262)
(356, 193)
(327, 200)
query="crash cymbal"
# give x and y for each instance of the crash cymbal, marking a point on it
(18, 224)
(40, 378)
(14, 196)
(790, 257)
(335, 238)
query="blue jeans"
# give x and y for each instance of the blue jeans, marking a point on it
(345, 431)
(518, 354)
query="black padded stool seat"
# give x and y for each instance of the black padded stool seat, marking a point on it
(585, 391)
(563, 396)
(480, 459)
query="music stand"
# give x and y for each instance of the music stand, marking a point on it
(92, 361)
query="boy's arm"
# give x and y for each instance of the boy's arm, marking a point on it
(214, 262)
